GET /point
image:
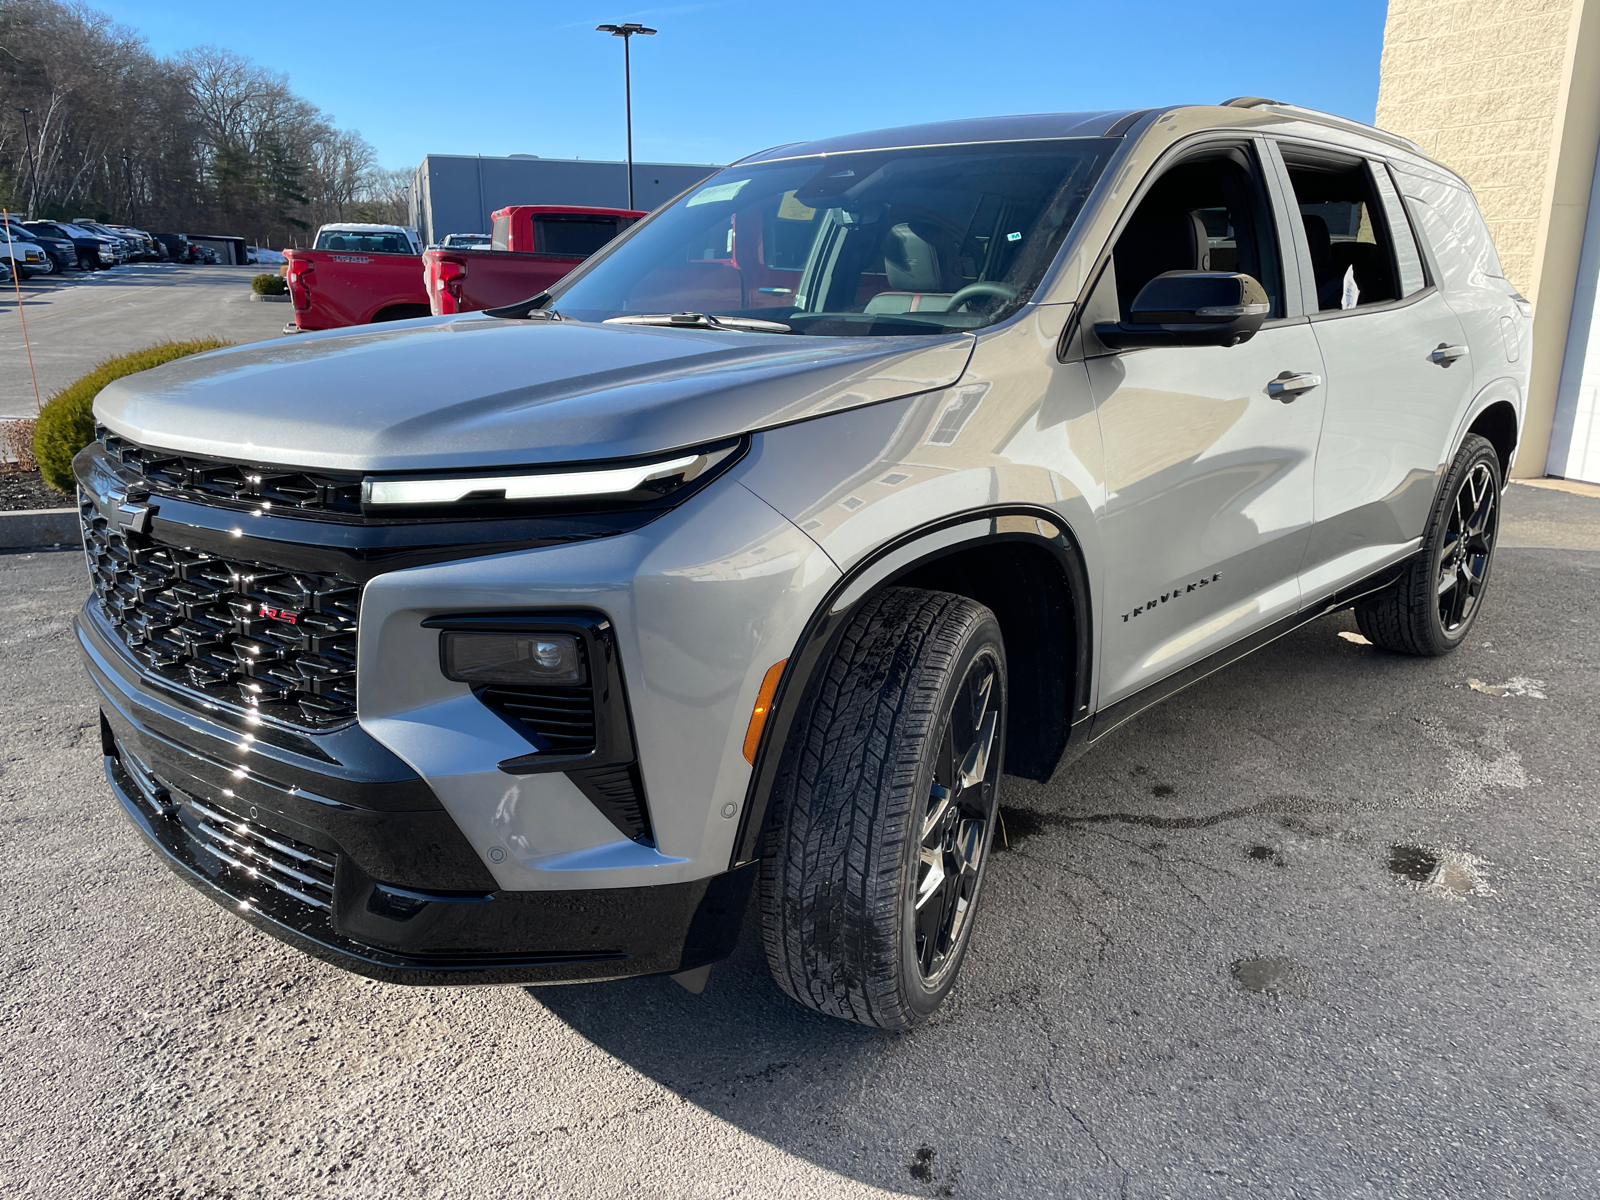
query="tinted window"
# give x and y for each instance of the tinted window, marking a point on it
(1407, 258)
(572, 238)
(1348, 233)
(870, 242)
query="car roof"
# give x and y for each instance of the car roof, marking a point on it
(1045, 126)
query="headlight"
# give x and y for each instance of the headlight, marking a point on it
(641, 482)
(517, 659)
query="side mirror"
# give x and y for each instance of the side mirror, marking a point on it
(1190, 308)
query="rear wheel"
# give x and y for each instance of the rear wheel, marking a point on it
(884, 811)
(1430, 609)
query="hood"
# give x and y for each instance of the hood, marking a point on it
(479, 391)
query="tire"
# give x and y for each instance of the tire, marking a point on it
(875, 859)
(49, 267)
(401, 312)
(1432, 607)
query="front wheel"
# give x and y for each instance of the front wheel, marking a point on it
(884, 810)
(1429, 610)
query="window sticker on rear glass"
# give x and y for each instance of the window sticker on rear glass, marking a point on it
(717, 193)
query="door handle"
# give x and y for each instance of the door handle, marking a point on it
(1290, 384)
(1444, 354)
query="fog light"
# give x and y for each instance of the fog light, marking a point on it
(514, 658)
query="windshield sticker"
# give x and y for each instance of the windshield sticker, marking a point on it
(792, 210)
(717, 192)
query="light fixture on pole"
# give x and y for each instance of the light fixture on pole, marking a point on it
(626, 32)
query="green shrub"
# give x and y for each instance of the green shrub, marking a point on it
(269, 285)
(67, 423)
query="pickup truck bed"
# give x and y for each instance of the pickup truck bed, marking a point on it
(534, 245)
(333, 288)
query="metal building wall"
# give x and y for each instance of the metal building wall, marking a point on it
(455, 193)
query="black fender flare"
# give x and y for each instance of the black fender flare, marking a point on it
(957, 533)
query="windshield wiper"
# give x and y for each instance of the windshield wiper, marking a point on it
(522, 310)
(691, 320)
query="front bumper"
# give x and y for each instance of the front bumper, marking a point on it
(331, 844)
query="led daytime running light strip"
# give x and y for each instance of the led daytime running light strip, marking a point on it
(613, 482)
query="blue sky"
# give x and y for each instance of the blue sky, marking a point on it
(727, 77)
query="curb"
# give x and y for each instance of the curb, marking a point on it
(284, 299)
(39, 527)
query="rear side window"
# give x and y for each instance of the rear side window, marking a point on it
(573, 238)
(1352, 253)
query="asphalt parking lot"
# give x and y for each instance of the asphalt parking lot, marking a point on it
(1323, 925)
(75, 319)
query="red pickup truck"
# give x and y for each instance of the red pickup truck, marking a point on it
(533, 246)
(354, 276)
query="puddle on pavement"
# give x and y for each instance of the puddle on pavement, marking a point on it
(1265, 854)
(1519, 685)
(1449, 871)
(1274, 976)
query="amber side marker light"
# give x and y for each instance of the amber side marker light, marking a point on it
(758, 717)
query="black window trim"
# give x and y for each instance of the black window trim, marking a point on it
(1347, 157)
(1074, 340)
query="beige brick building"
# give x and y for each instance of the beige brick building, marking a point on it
(1507, 93)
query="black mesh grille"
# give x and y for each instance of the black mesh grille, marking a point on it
(563, 717)
(282, 643)
(237, 484)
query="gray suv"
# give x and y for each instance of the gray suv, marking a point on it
(529, 646)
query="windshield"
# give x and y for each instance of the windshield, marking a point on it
(364, 241)
(917, 241)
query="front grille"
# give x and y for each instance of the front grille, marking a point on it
(562, 717)
(237, 484)
(246, 634)
(260, 855)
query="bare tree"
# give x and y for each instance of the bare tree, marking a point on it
(208, 141)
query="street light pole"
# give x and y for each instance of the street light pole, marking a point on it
(626, 32)
(33, 171)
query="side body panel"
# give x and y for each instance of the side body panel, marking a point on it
(1019, 428)
(1209, 483)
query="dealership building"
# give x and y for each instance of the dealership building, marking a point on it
(1508, 95)
(455, 193)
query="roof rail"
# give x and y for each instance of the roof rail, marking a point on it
(1324, 118)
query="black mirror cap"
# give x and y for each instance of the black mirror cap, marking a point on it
(1199, 298)
(1191, 308)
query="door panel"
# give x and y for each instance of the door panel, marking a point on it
(1208, 502)
(1390, 414)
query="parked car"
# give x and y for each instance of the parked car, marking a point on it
(122, 247)
(466, 241)
(527, 646)
(356, 275)
(143, 245)
(533, 247)
(23, 251)
(94, 252)
(25, 248)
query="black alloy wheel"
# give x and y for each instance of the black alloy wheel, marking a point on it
(884, 808)
(1431, 607)
(1468, 545)
(957, 821)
